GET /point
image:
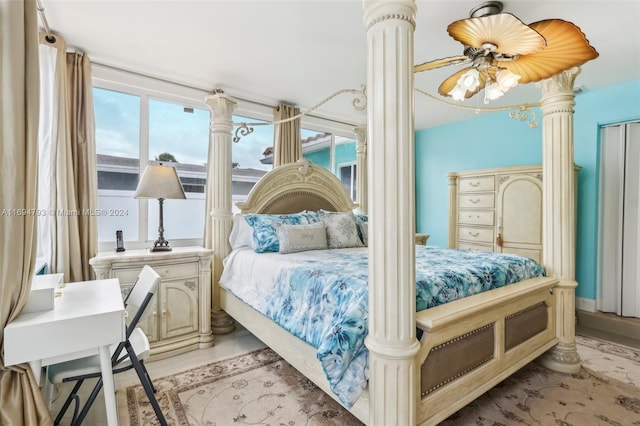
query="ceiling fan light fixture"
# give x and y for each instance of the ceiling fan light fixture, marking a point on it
(470, 80)
(492, 92)
(458, 93)
(506, 79)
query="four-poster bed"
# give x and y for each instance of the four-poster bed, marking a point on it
(404, 387)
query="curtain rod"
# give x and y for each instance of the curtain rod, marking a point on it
(187, 86)
(49, 37)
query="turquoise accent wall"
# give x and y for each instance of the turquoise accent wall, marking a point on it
(495, 140)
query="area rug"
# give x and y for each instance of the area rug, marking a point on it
(259, 388)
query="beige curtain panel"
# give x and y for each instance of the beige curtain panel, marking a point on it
(68, 238)
(21, 402)
(287, 142)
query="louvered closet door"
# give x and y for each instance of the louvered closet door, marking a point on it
(619, 214)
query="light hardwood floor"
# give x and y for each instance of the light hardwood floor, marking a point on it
(238, 342)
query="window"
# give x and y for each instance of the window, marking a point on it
(347, 175)
(140, 120)
(117, 118)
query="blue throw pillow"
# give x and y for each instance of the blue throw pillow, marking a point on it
(265, 237)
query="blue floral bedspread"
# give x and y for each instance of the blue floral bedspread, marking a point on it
(322, 298)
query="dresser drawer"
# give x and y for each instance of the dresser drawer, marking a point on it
(476, 200)
(480, 183)
(462, 245)
(475, 217)
(482, 235)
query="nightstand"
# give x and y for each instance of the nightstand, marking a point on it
(421, 239)
(178, 318)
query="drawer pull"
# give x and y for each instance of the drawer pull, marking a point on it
(474, 234)
(474, 183)
(475, 200)
(471, 216)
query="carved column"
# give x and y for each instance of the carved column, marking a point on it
(219, 204)
(559, 212)
(362, 181)
(392, 344)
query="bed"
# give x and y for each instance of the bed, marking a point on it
(481, 338)
(412, 381)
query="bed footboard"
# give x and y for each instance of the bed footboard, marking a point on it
(470, 345)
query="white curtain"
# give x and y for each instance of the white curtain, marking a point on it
(68, 181)
(287, 142)
(21, 402)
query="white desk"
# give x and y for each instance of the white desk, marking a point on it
(88, 317)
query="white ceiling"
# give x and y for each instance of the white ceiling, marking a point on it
(301, 51)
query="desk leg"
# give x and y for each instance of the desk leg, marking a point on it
(109, 387)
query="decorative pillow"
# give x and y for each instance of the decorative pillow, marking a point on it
(361, 217)
(265, 238)
(363, 230)
(241, 233)
(295, 238)
(341, 230)
(362, 220)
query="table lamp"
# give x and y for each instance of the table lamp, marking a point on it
(161, 182)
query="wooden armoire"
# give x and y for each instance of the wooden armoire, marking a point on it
(497, 210)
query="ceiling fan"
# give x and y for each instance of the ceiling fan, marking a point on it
(503, 51)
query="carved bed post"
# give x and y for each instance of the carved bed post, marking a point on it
(392, 344)
(362, 182)
(220, 199)
(559, 212)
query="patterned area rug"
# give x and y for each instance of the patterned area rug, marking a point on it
(259, 388)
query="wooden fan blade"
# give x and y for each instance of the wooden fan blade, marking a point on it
(451, 82)
(453, 60)
(508, 33)
(567, 47)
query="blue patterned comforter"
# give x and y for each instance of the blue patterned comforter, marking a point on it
(322, 296)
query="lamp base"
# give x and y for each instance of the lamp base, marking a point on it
(160, 245)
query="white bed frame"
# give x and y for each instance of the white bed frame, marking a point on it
(395, 356)
(290, 188)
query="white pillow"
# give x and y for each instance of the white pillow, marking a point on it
(295, 238)
(341, 230)
(241, 233)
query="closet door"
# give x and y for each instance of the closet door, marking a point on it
(630, 235)
(619, 219)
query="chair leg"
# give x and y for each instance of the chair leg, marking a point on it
(87, 405)
(146, 374)
(146, 383)
(67, 402)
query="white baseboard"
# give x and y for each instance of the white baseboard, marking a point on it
(584, 304)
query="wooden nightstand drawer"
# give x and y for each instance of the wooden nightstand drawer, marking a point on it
(481, 235)
(476, 200)
(477, 183)
(166, 271)
(475, 217)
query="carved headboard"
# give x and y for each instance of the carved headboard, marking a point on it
(298, 186)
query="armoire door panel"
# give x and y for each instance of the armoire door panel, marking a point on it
(519, 209)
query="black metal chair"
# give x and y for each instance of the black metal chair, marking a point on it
(125, 355)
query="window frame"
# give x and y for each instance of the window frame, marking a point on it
(148, 87)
